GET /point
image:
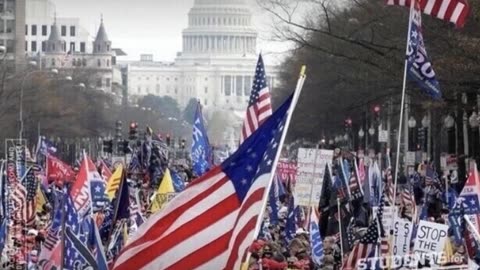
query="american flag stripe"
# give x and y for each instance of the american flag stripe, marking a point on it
(259, 106)
(212, 222)
(455, 11)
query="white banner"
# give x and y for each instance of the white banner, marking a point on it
(431, 237)
(402, 232)
(388, 214)
(311, 164)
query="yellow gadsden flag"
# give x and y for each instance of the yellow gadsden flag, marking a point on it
(114, 182)
(41, 200)
(164, 194)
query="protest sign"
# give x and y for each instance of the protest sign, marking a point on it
(311, 164)
(402, 232)
(388, 214)
(431, 237)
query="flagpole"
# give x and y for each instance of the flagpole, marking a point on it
(340, 226)
(400, 122)
(62, 242)
(296, 95)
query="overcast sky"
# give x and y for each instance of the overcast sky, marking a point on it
(151, 26)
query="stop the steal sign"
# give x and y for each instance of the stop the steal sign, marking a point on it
(431, 237)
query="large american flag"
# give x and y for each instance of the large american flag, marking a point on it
(259, 106)
(455, 11)
(211, 224)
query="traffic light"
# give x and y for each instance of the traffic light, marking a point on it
(118, 130)
(167, 139)
(133, 132)
(182, 144)
(348, 122)
(108, 146)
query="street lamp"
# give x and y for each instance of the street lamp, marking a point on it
(412, 123)
(473, 120)
(425, 121)
(361, 133)
(449, 122)
(81, 85)
(68, 78)
(371, 131)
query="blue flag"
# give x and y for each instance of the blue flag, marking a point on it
(3, 234)
(419, 66)
(315, 239)
(290, 227)
(95, 245)
(178, 183)
(201, 151)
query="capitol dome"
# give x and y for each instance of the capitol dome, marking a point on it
(219, 29)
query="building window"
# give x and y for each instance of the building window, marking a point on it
(64, 30)
(238, 85)
(34, 46)
(34, 29)
(247, 87)
(44, 30)
(206, 89)
(168, 79)
(176, 79)
(168, 89)
(10, 26)
(64, 46)
(108, 47)
(26, 45)
(176, 90)
(108, 62)
(53, 62)
(139, 89)
(227, 85)
(107, 82)
(72, 46)
(84, 62)
(99, 62)
(74, 62)
(205, 102)
(26, 30)
(10, 46)
(44, 46)
(99, 82)
(157, 89)
(82, 47)
(72, 31)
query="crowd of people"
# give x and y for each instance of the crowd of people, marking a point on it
(285, 240)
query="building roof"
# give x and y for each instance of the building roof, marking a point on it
(54, 34)
(101, 34)
(119, 52)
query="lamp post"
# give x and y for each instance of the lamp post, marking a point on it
(449, 124)
(361, 134)
(474, 122)
(22, 85)
(371, 132)
(412, 124)
(426, 130)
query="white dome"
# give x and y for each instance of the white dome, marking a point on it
(219, 29)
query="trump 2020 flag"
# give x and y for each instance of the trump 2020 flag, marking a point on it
(201, 151)
(211, 224)
(419, 66)
(315, 238)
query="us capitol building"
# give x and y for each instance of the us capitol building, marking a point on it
(216, 65)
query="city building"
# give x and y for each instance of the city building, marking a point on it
(97, 67)
(40, 17)
(216, 64)
(12, 23)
